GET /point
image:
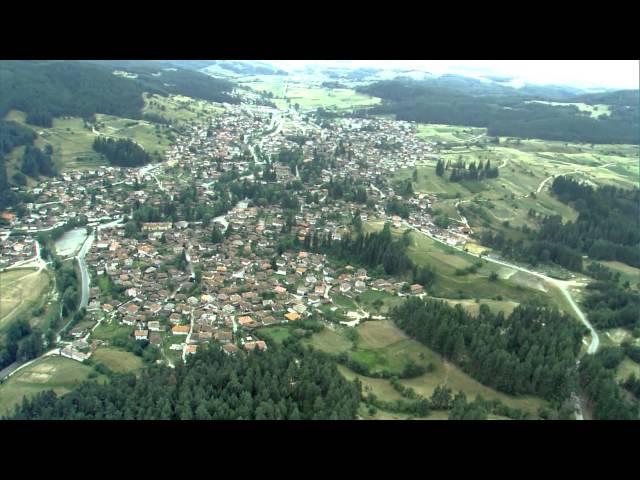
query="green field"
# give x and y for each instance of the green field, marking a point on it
(56, 373)
(381, 346)
(117, 360)
(594, 111)
(72, 140)
(394, 347)
(626, 368)
(343, 302)
(180, 109)
(627, 272)
(525, 167)
(447, 133)
(473, 307)
(107, 331)
(425, 251)
(21, 290)
(330, 341)
(308, 96)
(368, 297)
(276, 333)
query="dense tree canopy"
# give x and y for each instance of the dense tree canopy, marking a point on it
(532, 351)
(122, 152)
(13, 135)
(291, 384)
(21, 343)
(503, 111)
(597, 378)
(35, 162)
(46, 89)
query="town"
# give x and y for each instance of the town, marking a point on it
(173, 285)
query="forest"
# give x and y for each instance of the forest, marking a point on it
(375, 250)
(533, 351)
(122, 152)
(607, 227)
(36, 162)
(610, 305)
(279, 384)
(7, 197)
(47, 89)
(597, 378)
(21, 343)
(12, 135)
(503, 111)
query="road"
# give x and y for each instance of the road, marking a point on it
(84, 272)
(115, 222)
(158, 182)
(542, 184)
(186, 342)
(373, 187)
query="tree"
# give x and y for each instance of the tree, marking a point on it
(414, 176)
(130, 229)
(440, 168)
(441, 221)
(216, 235)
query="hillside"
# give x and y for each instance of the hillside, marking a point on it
(505, 111)
(47, 89)
(621, 98)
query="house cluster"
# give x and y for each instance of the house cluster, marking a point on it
(173, 282)
(16, 249)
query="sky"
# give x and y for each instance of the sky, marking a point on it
(621, 74)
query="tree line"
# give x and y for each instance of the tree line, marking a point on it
(460, 171)
(532, 351)
(12, 135)
(122, 152)
(504, 112)
(377, 250)
(606, 229)
(36, 162)
(48, 89)
(280, 384)
(607, 396)
(21, 343)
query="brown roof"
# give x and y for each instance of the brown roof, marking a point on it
(180, 329)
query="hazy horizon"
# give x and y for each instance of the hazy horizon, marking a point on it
(618, 74)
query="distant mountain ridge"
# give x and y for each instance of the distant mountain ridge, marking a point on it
(506, 111)
(46, 89)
